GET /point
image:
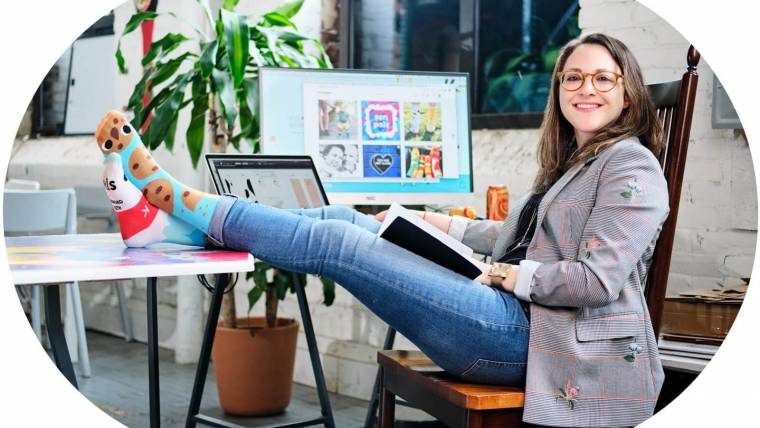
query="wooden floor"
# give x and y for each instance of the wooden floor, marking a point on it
(119, 386)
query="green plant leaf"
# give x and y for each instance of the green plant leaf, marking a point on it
(136, 100)
(290, 9)
(293, 57)
(256, 56)
(270, 41)
(515, 63)
(223, 87)
(282, 281)
(236, 38)
(260, 278)
(134, 22)
(550, 58)
(252, 95)
(164, 71)
(207, 11)
(208, 58)
(166, 112)
(328, 290)
(278, 20)
(196, 131)
(264, 266)
(163, 46)
(230, 4)
(323, 60)
(170, 134)
(291, 36)
(254, 294)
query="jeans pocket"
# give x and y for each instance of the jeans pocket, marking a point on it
(495, 372)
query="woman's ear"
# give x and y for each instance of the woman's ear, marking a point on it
(625, 101)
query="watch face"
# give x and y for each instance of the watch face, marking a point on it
(500, 270)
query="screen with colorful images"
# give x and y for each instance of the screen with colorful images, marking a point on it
(372, 133)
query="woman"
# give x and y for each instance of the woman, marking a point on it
(564, 314)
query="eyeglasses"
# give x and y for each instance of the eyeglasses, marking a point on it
(603, 81)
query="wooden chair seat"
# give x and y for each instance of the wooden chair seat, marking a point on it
(411, 375)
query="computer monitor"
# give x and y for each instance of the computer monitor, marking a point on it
(376, 136)
(278, 181)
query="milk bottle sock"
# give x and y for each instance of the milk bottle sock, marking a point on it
(115, 135)
(141, 223)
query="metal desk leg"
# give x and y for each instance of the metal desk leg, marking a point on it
(369, 421)
(222, 280)
(155, 403)
(55, 333)
(316, 364)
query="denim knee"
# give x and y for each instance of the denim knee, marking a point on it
(339, 212)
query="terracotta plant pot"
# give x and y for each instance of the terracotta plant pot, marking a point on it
(254, 373)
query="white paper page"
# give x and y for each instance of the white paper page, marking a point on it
(397, 210)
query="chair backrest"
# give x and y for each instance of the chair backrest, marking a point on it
(36, 211)
(20, 184)
(675, 108)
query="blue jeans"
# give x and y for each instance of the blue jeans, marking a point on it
(468, 329)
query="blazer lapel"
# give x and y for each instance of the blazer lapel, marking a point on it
(557, 187)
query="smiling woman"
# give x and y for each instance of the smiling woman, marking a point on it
(565, 308)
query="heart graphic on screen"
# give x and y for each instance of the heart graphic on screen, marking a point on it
(381, 163)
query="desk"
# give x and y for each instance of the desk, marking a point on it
(55, 259)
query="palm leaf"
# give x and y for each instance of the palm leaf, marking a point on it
(131, 26)
(290, 9)
(236, 38)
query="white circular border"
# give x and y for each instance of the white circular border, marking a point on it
(35, 32)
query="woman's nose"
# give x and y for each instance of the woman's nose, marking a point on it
(588, 85)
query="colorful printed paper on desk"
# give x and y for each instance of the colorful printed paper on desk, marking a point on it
(66, 258)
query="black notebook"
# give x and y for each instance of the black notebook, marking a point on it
(407, 230)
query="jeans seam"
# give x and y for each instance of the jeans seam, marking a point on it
(479, 362)
(395, 285)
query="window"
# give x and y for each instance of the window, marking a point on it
(508, 46)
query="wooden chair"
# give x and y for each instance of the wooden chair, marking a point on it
(415, 378)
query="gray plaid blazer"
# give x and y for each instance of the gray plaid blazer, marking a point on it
(592, 358)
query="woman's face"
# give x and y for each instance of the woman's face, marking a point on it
(587, 109)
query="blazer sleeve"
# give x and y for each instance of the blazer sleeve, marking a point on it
(631, 206)
(485, 235)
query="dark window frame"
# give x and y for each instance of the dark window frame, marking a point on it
(469, 31)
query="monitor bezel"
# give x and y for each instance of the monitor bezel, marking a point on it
(210, 157)
(385, 198)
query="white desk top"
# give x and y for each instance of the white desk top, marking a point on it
(96, 257)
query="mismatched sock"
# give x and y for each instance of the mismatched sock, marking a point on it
(141, 222)
(116, 135)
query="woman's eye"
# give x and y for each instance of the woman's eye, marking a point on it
(603, 78)
(572, 77)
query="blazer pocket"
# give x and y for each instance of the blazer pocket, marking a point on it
(616, 326)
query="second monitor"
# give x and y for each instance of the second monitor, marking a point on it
(376, 136)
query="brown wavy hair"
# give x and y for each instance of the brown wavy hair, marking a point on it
(557, 150)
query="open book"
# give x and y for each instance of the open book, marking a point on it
(407, 230)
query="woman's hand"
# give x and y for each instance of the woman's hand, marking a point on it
(506, 284)
(483, 278)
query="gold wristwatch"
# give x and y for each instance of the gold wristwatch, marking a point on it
(500, 270)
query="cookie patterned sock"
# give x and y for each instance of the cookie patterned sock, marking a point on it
(116, 135)
(141, 223)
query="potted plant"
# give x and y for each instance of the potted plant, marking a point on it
(222, 82)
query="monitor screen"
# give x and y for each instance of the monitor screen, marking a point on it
(278, 181)
(376, 136)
